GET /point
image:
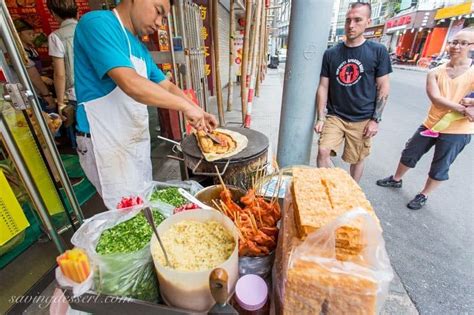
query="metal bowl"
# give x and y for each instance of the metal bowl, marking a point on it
(210, 193)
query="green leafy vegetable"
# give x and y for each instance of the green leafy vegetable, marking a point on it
(170, 196)
(126, 267)
(128, 236)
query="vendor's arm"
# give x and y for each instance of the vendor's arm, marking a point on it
(147, 92)
(435, 96)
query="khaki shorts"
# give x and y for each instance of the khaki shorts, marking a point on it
(337, 130)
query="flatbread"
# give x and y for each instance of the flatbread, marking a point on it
(240, 141)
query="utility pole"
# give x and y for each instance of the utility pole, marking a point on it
(308, 37)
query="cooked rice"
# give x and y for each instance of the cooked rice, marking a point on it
(195, 246)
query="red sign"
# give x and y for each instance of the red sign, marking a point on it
(37, 14)
(403, 20)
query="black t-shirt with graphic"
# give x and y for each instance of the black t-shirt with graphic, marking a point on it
(352, 72)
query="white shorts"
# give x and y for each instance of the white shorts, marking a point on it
(85, 150)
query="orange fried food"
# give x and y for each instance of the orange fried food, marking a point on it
(207, 145)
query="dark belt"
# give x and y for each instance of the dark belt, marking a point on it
(82, 134)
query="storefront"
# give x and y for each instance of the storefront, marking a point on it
(374, 33)
(449, 21)
(407, 34)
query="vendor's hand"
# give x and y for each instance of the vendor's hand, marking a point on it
(195, 116)
(469, 113)
(467, 101)
(318, 127)
(371, 129)
(210, 122)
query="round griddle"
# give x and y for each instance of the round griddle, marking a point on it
(257, 143)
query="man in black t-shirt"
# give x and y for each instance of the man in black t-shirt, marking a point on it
(352, 93)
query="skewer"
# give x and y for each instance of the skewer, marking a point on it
(217, 205)
(224, 210)
(254, 223)
(241, 236)
(220, 178)
(277, 190)
(259, 214)
(259, 178)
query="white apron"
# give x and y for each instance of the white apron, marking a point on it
(121, 139)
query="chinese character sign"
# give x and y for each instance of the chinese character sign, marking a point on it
(238, 48)
(205, 34)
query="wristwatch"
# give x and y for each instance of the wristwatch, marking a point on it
(376, 119)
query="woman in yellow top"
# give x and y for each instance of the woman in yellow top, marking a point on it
(446, 86)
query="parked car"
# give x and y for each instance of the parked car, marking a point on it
(282, 55)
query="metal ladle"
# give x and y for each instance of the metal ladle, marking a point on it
(149, 217)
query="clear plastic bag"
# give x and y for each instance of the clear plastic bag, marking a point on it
(261, 266)
(191, 186)
(78, 289)
(122, 274)
(309, 279)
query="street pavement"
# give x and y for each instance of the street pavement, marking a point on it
(431, 249)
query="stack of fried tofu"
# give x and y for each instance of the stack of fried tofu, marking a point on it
(318, 197)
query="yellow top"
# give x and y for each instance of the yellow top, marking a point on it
(454, 90)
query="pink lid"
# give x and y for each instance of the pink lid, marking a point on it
(251, 292)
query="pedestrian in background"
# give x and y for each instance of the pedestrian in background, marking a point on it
(34, 66)
(61, 50)
(446, 86)
(352, 93)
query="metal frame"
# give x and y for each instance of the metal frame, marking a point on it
(30, 185)
(22, 95)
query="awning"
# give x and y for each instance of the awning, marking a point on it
(455, 10)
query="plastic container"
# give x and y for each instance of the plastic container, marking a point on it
(251, 295)
(187, 289)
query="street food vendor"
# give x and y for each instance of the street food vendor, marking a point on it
(115, 77)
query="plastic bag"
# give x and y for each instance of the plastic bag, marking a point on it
(78, 289)
(309, 279)
(261, 266)
(122, 274)
(166, 209)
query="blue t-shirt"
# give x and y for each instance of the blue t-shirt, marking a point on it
(352, 73)
(100, 46)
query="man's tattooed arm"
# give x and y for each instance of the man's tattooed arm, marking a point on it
(379, 107)
(383, 87)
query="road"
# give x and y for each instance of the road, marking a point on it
(430, 249)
